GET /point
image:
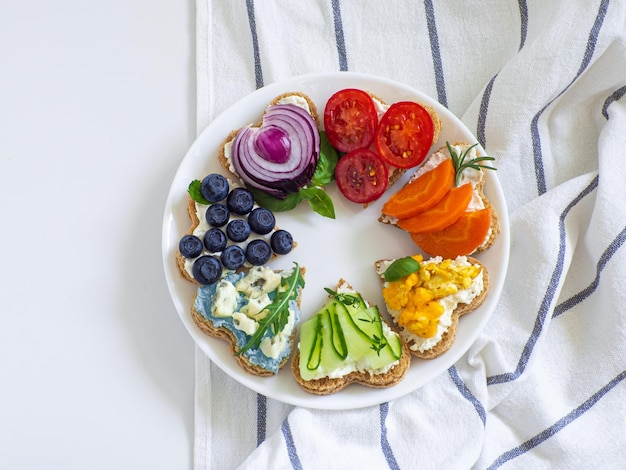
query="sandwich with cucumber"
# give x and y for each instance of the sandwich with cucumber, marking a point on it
(346, 342)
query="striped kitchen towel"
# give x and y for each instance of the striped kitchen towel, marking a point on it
(541, 85)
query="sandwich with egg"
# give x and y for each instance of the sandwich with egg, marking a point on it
(426, 298)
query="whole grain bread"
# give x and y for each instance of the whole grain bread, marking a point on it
(327, 385)
(447, 339)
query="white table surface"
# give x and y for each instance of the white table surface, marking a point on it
(97, 109)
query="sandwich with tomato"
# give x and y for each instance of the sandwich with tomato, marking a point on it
(378, 142)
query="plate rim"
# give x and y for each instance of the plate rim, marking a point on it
(329, 402)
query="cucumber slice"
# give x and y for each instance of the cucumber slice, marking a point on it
(338, 339)
(314, 357)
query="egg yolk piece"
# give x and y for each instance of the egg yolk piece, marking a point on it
(417, 295)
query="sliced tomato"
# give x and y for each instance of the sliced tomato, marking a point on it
(361, 176)
(405, 134)
(350, 120)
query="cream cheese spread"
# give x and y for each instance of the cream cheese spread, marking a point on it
(225, 305)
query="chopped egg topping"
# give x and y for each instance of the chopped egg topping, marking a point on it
(418, 296)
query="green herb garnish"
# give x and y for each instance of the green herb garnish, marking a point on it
(195, 193)
(400, 268)
(325, 169)
(345, 299)
(460, 162)
(318, 200)
(278, 311)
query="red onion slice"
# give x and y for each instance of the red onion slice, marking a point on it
(280, 156)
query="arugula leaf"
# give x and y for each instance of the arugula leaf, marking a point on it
(278, 310)
(274, 203)
(319, 201)
(195, 193)
(400, 268)
(325, 169)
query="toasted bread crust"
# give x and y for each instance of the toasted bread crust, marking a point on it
(446, 341)
(207, 327)
(327, 385)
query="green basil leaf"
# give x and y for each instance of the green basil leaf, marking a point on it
(195, 193)
(273, 203)
(400, 268)
(325, 169)
(319, 201)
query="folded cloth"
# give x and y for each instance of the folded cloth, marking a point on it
(541, 85)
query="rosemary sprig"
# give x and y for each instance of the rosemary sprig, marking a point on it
(278, 310)
(460, 163)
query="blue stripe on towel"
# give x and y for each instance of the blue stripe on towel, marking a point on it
(436, 53)
(482, 115)
(615, 96)
(590, 289)
(341, 44)
(559, 425)
(291, 447)
(261, 418)
(544, 309)
(523, 13)
(460, 385)
(258, 72)
(384, 443)
(534, 127)
(484, 102)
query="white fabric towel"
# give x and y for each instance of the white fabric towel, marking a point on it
(541, 85)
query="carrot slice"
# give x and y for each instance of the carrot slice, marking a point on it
(459, 239)
(444, 213)
(422, 193)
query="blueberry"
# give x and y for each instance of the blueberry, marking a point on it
(258, 252)
(217, 215)
(207, 270)
(190, 246)
(238, 230)
(215, 240)
(261, 220)
(214, 187)
(233, 257)
(281, 242)
(240, 201)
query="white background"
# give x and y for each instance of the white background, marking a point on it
(97, 109)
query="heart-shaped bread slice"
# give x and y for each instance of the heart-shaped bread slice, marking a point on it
(426, 303)
(347, 342)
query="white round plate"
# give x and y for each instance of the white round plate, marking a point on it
(345, 247)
